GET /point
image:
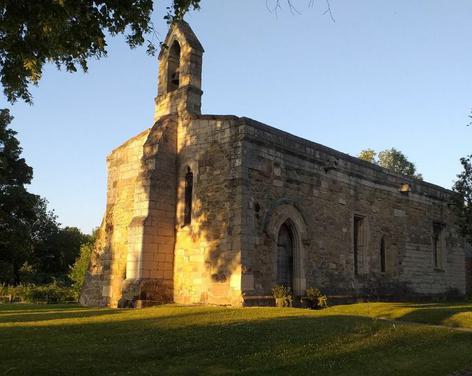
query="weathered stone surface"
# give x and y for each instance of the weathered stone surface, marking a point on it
(327, 189)
(249, 180)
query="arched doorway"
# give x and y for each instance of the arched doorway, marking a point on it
(285, 256)
(287, 231)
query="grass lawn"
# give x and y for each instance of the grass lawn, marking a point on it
(455, 315)
(173, 340)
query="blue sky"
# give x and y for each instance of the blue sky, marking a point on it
(384, 74)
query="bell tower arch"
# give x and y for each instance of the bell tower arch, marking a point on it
(180, 72)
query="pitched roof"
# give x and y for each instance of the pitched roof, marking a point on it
(182, 28)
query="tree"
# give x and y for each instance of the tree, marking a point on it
(32, 245)
(68, 33)
(462, 201)
(13, 170)
(69, 241)
(368, 155)
(394, 160)
(391, 159)
(53, 249)
(179, 8)
(79, 269)
(17, 206)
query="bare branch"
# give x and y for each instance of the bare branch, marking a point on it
(329, 11)
(292, 7)
(273, 6)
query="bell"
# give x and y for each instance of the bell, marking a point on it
(175, 78)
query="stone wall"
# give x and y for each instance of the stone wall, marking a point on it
(327, 189)
(249, 179)
(149, 253)
(151, 237)
(108, 265)
(207, 252)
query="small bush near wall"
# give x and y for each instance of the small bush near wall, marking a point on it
(30, 293)
(314, 299)
(282, 295)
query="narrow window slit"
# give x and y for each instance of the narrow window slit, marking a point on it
(188, 196)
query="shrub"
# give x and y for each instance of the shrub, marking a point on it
(314, 299)
(78, 271)
(51, 293)
(282, 295)
(30, 293)
(6, 293)
(23, 292)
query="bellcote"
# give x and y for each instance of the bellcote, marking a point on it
(180, 72)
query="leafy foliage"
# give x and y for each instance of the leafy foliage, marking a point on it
(79, 269)
(54, 249)
(68, 33)
(17, 206)
(33, 247)
(31, 293)
(368, 155)
(462, 202)
(315, 299)
(64, 32)
(282, 295)
(13, 170)
(391, 159)
(179, 8)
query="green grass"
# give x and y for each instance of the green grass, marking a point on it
(173, 340)
(457, 315)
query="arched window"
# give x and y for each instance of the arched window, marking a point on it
(438, 245)
(173, 67)
(285, 256)
(188, 196)
(359, 243)
(383, 265)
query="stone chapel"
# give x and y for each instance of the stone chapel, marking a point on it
(218, 209)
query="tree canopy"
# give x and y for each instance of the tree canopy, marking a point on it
(391, 159)
(17, 206)
(33, 247)
(64, 32)
(68, 33)
(462, 202)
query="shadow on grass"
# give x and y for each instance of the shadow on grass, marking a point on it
(18, 317)
(232, 342)
(434, 313)
(26, 307)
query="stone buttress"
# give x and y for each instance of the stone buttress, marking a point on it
(170, 229)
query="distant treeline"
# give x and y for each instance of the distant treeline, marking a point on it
(34, 248)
